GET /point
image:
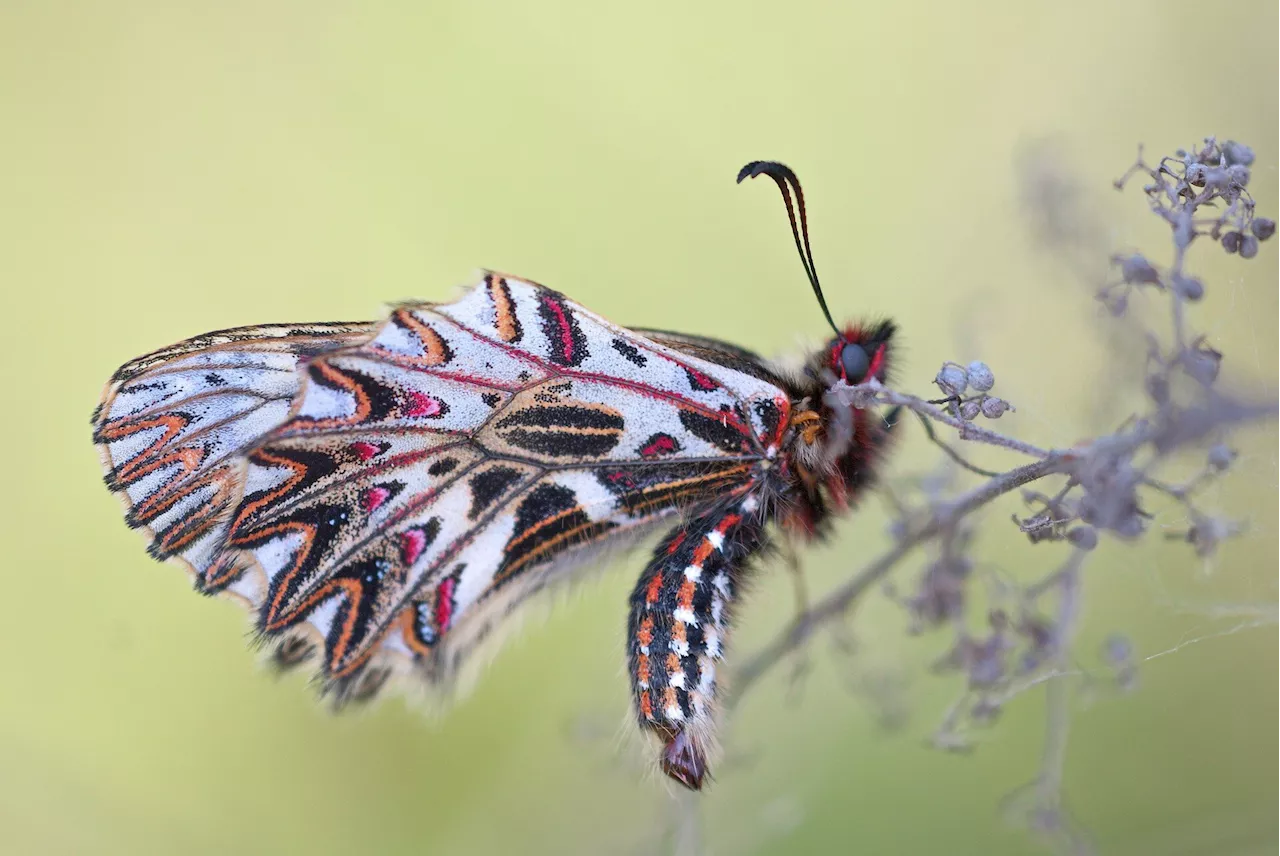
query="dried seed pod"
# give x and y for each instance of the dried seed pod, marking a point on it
(1084, 537)
(1136, 269)
(1237, 153)
(994, 408)
(1217, 179)
(1130, 527)
(1248, 246)
(980, 376)
(952, 380)
(1203, 363)
(1158, 388)
(1117, 305)
(1188, 287)
(1220, 457)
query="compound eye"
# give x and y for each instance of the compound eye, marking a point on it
(855, 362)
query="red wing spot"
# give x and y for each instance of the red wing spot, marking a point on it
(412, 543)
(421, 404)
(364, 451)
(622, 479)
(444, 605)
(566, 332)
(374, 497)
(659, 445)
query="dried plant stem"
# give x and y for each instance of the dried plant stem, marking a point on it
(835, 604)
(965, 430)
(1058, 693)
(928, 524)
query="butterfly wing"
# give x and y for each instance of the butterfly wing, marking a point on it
(173, 427)
(716, 351)
(431, 477)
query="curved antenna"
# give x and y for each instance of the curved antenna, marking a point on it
(787, 183)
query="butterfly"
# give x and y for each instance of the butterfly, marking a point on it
(382, 495)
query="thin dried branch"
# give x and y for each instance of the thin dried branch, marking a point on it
(835, 604)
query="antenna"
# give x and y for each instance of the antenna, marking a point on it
(787, 183)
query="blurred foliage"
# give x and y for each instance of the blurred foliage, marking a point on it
(177, 167)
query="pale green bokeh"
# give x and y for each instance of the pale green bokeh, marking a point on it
(172, 168)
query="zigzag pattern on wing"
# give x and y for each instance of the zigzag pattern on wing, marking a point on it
(173, 427)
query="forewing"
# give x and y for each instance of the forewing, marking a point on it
(173, 427)
(575, 343)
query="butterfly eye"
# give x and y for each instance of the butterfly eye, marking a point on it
(855, 362)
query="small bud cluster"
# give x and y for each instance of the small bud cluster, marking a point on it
(1017, 647)
(1109, 499)
(940, 594)
(956, 380)
(1214, 176)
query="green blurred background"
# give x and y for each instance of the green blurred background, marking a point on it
(177, 167)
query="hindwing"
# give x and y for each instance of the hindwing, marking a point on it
(172, 427)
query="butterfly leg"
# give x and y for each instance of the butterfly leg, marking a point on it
(679, 618)
(792, 558)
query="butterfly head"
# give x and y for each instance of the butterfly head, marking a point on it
(859, 353)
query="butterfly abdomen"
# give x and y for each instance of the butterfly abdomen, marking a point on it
(680, 612)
